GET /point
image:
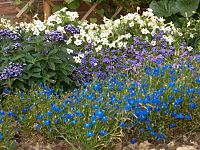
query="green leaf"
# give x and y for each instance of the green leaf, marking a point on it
(93, 20)
(69, 1)
(186, 7)
(74, 4)
(35, 70)
(66, 73)
(29, 66)
(164, 8)
(52, 65)
(87, 1)
(37, 75)
(18, 57)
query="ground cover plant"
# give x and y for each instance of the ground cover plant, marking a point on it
(131, 79)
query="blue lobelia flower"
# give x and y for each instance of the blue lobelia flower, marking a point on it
(103, 133)
(90, 134)
(47, 122)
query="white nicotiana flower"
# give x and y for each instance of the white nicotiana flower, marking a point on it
(188, 24)
(81, 55)
(127, 36)
(180, 34)
(72, 15)
(63, 9)
(145, 31)
(58, 20)
(77, 59)
(69, 51)
(191, 35)
(98, 48)
(153, 43)
(59, 28)
(161, 19)
(190, 48)
(69, 41)
(131, 24)
(120, 44)
(78, 42)
(148, 13)
(117, 22)
(169, 39)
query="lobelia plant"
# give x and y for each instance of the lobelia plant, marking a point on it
(148, 106)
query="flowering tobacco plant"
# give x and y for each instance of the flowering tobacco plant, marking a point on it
(148, 106)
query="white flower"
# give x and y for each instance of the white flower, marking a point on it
(191, 35)
(59, 28)
(98, 48)
(188, 24)
(69, 51)
(69, 41)
(145, 31)
(190, 48)
(81, 55)
(78, 42)
(77, 59)
(180, 34)
(153, 43)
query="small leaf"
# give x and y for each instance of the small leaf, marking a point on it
(74, 5)
(52, 66)
(37, 75)
(93, 20)
(69, 1)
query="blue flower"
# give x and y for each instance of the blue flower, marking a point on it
(180, 116)
(39, 117)
(90, 134)
(133, 141)
(49, 113)
(87, 125)
(178, 101)
(192, 106)
(171, 84)
(103, 133)
(172, 125)
(188, 117)
(47, 122)
(1, 135)
(122, 124)
(38, 126)
(99, 114)
(73, 122)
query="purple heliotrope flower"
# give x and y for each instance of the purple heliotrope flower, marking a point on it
(56, 36)
(71, 29)
(11, 71)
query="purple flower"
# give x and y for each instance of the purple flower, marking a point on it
(71, 29)
(11, 71)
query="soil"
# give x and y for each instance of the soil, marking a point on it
(186, 142)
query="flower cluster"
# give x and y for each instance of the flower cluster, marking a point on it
(104, 108)
(71, 29)
(131, 58)
(11, 71)
(6, 33)
(56, 36)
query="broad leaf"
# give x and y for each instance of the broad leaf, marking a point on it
(74, 5)
(164, 8)
(186, 7)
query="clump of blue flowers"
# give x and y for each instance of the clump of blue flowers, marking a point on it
(147, 107)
